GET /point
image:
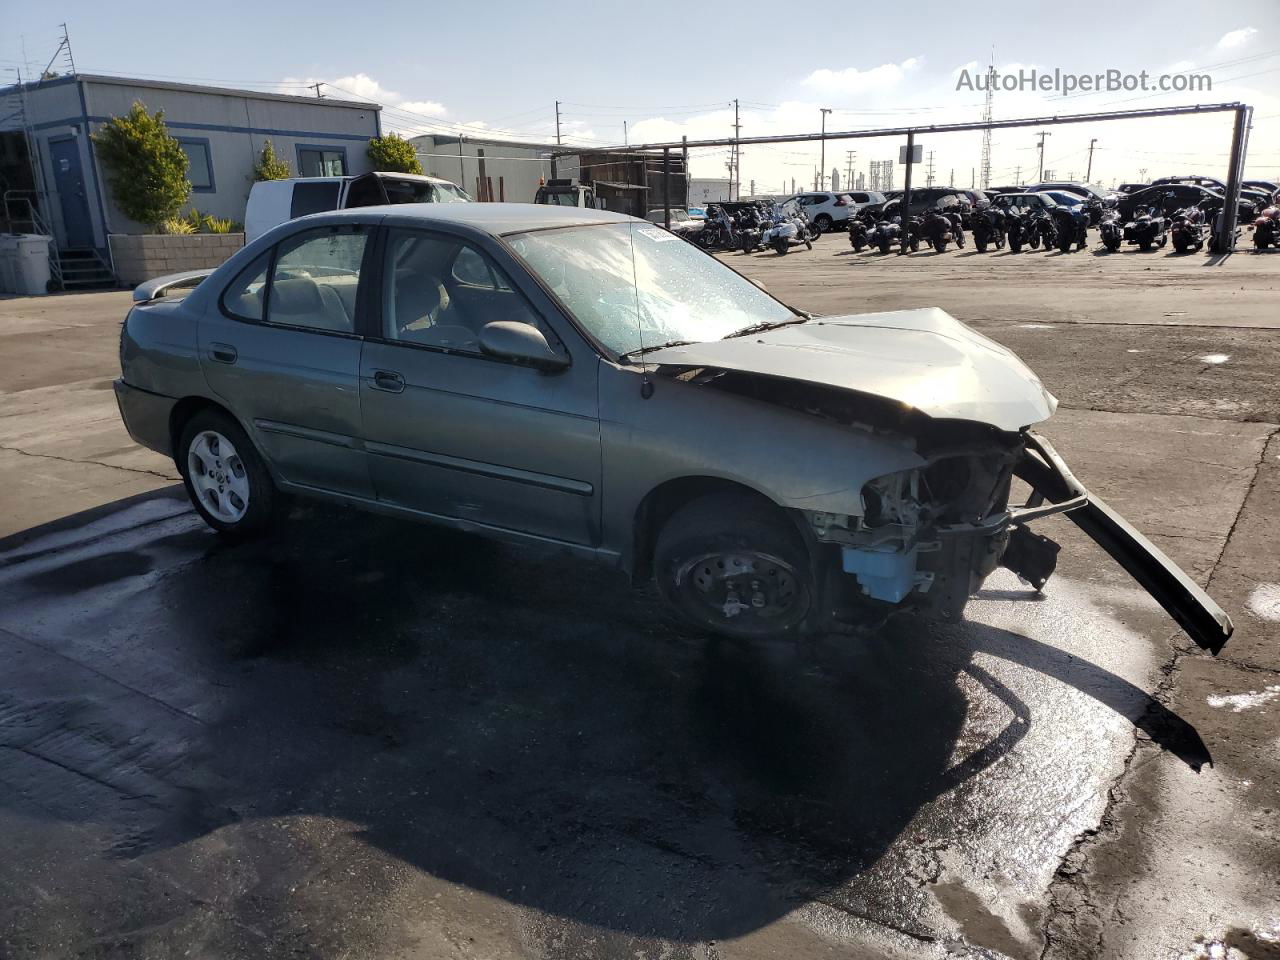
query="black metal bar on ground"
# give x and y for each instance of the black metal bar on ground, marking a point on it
(1231, 199)
(666, 187)
(1149, 113)
(905, 210)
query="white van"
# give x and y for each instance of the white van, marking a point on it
(272, 202)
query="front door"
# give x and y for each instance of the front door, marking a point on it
(453, 433)
(282, 351)
(68, 180)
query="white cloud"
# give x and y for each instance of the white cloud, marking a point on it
(1237, 38)
(361, 86)
(852, 80)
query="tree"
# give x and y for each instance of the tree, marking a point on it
(269, 166)
(394, 154)
(145, 166)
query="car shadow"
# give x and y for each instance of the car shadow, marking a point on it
(513, 720)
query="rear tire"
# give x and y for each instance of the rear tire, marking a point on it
(225, 476)
(1112, 245)
(1015, 244)
(781, 246)
(823, 223)
(980, 245)
(733, 564)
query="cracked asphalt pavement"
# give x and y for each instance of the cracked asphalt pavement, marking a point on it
(359, 738)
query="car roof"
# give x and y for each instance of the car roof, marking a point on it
(493, 218)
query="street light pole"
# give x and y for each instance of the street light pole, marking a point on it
(822, 164)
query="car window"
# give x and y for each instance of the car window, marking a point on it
(246, 296)
(314, 198)
(316, 276)
(439, 291)
(631, 285)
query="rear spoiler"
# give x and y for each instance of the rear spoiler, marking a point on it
(168, 285)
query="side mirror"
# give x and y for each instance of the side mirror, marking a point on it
(520, 343)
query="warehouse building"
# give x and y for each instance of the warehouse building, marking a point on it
(492, 169)
(222, 131)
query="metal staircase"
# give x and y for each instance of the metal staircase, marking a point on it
(77, 268)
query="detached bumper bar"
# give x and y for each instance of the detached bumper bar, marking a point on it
(1206, 623)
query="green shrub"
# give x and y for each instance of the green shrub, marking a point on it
(145, 166)
(269, 166)
(176, 226)
(393, 154)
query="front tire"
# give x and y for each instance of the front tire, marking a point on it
(225, 477)
(823, 223)
(940, 246)
(781, 246)
(731, 563)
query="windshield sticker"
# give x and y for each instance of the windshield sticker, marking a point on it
(653, 233)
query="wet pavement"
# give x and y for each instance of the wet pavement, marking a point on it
(366, 738)
(267, 748)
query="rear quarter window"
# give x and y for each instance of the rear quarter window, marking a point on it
(314, 198)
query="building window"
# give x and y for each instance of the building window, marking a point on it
(322, 161)
(199, 163)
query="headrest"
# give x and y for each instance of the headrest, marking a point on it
(300, 295)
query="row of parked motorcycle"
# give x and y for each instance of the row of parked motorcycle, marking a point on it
(1062, 228)
(757, 225)
(753, 226)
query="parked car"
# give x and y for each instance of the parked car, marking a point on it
(272, 202)
(1131, 187)
(1169, 197)
(992, 191)
(1199, 181)
(929, 198)
(1025, 202)
(698, 213)
(826, 210)
(1269, 187)
(1086, 191)
(576, 378)
(681, 223)
(860, 200)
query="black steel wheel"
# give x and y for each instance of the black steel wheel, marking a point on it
(733, 564)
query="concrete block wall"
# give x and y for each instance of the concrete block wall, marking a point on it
(139, 258)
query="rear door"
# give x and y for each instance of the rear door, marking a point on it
(454, 433)
(281, 350)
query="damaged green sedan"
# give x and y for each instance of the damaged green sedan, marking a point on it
(584, 379)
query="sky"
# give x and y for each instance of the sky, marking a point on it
(675, 69)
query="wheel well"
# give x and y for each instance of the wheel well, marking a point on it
(664, 500)
(183, 411)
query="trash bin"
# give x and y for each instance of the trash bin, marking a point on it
(32, 263)
(8, 262)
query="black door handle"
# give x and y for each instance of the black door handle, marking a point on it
(223, 352)
(388, 380)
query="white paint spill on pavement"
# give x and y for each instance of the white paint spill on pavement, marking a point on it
(1264, 601)
(1036, 326)
(1131, 350)
(1214, 358)
(1239, 702)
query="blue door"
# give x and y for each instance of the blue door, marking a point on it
(68, 180)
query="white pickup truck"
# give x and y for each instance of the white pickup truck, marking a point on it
(272, 202)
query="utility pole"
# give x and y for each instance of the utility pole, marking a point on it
(972, 180)
(928, 174)
(1017, 175)
(848, 172)
(316, 87)
(986, 118)
(1042, 134)
(1088, 174)
(557, 121)
(736, 177)
(624, 133)
(951, 180)
(822, 163)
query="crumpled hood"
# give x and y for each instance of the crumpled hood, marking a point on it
(926, 359)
